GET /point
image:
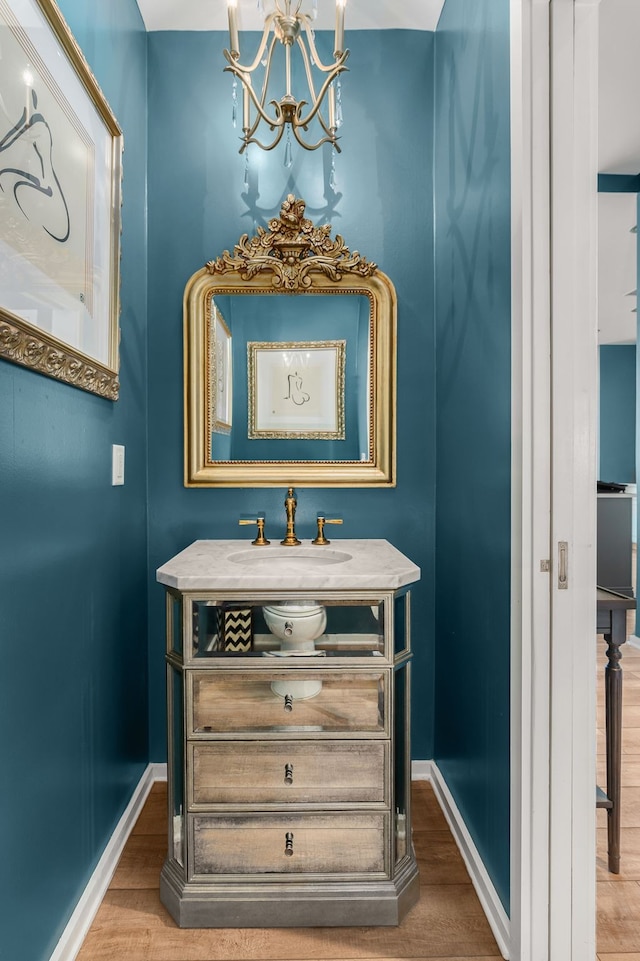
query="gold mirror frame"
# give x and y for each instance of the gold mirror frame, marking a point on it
(291, 257)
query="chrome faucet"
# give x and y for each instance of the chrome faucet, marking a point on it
(290, 503)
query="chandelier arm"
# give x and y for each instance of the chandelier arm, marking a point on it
(314, 146)
(287, 12)
(261, 145)
(325, 67)
(326, 128)
(278, 122)
(287, 71)
(304, 121)
(263, 43)
(307, 67)
(248, 132)
(270, 120)
(267, 71)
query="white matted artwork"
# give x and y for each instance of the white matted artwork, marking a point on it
(296, 390)
(60, 192)
(220, 373)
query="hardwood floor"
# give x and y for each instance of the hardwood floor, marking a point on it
(447, 923)
(618, 895)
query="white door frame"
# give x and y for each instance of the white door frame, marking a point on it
(531, 467)
(554, 55)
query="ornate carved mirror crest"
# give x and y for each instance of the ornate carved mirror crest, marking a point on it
(290, 358)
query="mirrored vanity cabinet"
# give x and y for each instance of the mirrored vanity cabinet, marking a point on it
(288, 680)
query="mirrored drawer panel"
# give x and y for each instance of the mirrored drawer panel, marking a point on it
(293, 772)
(279, 844)
(314, 702)
(223, 630)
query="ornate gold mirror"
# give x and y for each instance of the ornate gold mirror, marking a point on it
(290, 363)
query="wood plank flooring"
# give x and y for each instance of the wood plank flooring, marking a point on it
(447, 923)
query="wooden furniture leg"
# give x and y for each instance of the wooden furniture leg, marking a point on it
(613, 721)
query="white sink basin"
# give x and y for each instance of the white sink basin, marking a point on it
(237, 565)
(303, 559)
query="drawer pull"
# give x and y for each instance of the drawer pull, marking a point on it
(288, 846)
(288, 774)
(288, 702)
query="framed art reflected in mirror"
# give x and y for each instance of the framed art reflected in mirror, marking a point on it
(296, 390)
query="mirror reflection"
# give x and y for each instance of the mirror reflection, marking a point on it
(290, 377)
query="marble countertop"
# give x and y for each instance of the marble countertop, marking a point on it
(237, 565)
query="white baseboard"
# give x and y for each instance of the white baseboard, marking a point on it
(86, 909)
(632, 641)
(487, 894)
(421, 770)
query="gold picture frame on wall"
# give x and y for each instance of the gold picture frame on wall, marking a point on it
(293, 284)
(60, 199)
(296, 389)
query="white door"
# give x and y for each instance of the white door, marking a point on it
(554, 184)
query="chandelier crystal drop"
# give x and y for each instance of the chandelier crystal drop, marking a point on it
(267, 95)
(288, 152)
(246, 170)
(333, 183)
(234, 102)
(338, 103)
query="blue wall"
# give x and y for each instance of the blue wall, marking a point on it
(73, 576)
(84, 700)
(473, 320)
(617, 430)
(382, 206)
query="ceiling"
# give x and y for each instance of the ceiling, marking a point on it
(360, 14)
(618, 125)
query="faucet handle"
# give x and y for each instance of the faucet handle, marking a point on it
(260, 540)
(322, 520)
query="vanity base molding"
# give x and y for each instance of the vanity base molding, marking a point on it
(287, 904)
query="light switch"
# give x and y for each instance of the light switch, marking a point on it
(117, 465)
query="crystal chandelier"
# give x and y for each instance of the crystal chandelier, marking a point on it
(284, 21)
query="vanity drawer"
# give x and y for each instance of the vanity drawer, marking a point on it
(227, 704)
(292, 772)
(309, 844)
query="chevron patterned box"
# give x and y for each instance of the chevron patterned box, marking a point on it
(235, 629)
